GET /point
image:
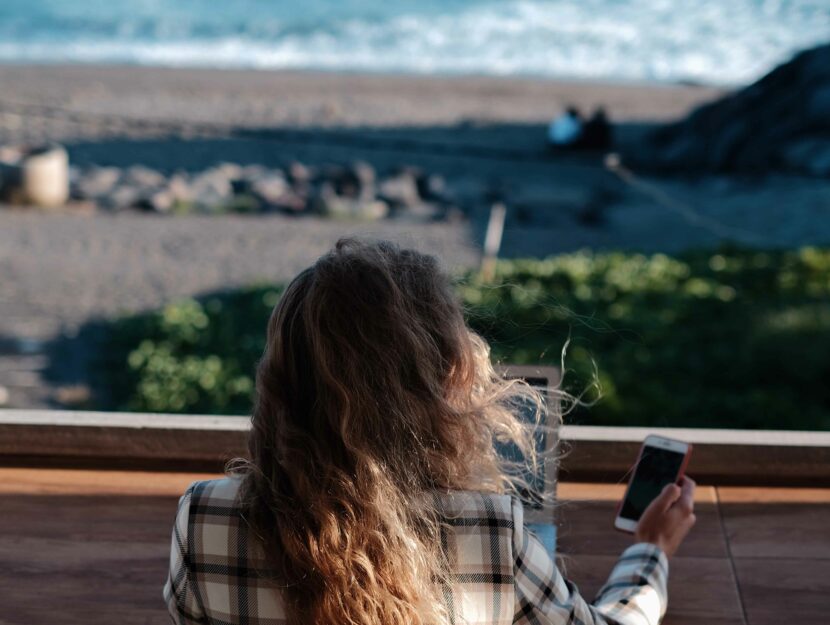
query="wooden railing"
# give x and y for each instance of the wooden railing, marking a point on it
(204, 443)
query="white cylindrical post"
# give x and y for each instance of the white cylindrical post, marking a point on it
(492, 240)
(44, 177)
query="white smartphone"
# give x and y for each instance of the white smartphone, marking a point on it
(661, 461)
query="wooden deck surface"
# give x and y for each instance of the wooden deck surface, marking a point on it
(91, 547)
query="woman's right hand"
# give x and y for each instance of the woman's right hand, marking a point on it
(668, 519)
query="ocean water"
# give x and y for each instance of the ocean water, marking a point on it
(725, 42)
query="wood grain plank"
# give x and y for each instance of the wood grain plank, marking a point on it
(777, 523)
(84, 558)
(94, 482)
(93, 615)
(86, 518)
(585, 514)
(778, 590)
(94, 545)
(701, 590)
(744, 494)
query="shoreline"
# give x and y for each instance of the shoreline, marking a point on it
(381, 73)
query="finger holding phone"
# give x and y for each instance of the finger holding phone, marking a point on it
(668, 519)
(658, 506)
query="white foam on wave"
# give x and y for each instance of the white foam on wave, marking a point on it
(717, 42)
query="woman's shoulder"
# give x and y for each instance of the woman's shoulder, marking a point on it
(224, 492)
(214, 495)
(220, 548)
(210, 516)
(475, 507)
(213, 499)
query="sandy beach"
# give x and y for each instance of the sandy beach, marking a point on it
(249, 98)
(192, 118)
(60, 270)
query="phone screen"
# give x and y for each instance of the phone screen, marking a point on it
(657, 467)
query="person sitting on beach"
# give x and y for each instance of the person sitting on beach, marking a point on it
(572, 132)
(596, 133)
(374, 494)
(565, 130)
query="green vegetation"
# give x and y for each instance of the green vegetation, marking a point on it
(732, 339)
(729, 339)
(190, 356)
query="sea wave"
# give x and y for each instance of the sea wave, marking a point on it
(715, 42)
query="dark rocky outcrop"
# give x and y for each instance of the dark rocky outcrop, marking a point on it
(781, 122)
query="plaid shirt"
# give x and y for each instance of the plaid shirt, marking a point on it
(501, 572)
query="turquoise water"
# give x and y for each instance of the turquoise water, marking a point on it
(717, 42)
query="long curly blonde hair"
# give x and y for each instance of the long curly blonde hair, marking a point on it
(373, 396)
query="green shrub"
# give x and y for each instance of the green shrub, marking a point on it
(729, 339)
(193, 356)
(732, 339)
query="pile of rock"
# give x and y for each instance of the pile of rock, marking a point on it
(782, 122)
(354, 191)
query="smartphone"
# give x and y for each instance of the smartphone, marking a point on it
(662, 461)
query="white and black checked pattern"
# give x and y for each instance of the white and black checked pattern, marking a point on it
(501, 573)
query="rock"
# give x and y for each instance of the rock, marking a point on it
(244, 178)
(299, 174)
(274, 192)
(179, 187)
(149, 188)
(175, 194)
(210, 190)
(74, 176)
(432, 187)
(342, 179)
(400, 189)
(301, 179)
(811, 155)
(290, 202)
(328, 203)
(254, 172)
(769, 125)
(231, 171)
(270, 188)
(818, 107)
(96, 182)
(123, 196)
(337, 191)
(143, 178)
(135, 187)
(820, 161)
(366, 177)
(356, 181)
(161, 201)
